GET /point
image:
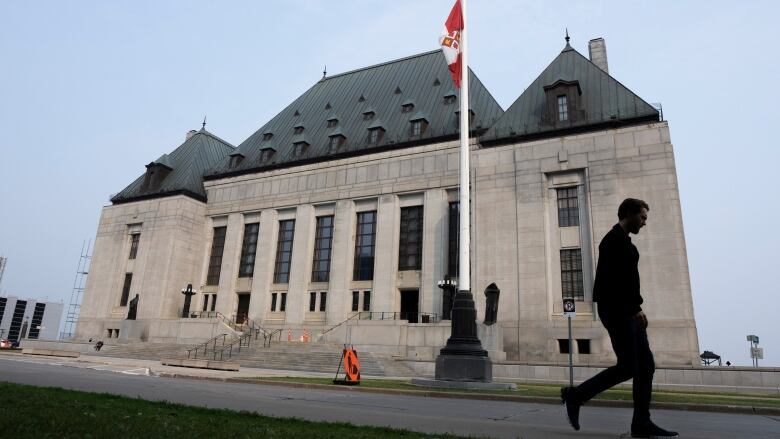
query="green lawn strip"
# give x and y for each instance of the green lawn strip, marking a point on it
(43, 412)
(553, 391)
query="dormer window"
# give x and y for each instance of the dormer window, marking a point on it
(450, 98)
(471, 116)
(268, 136)
(332, 123)
(418, 127)
(298, 129)
(266, 154)
(563, 99)
(335, 142)
(155, 174)
(368, 115)
(375, 135)
(300, 148)
(563, 108)
(236, 160)
(407, 108)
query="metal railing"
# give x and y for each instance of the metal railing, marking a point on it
(411, 317)
(221, 347)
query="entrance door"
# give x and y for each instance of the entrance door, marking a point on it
(243, 308)
(410, 305)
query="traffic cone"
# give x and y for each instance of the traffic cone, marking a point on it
(289, 334)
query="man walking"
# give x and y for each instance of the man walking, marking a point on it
(616, 290)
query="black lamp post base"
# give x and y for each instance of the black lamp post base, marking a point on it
(464, 368)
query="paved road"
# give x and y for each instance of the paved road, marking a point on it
(432, 415)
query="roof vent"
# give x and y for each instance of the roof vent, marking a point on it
(361, 99)
(327, 106)
(398, 90)
(436, 82)
(297, 113)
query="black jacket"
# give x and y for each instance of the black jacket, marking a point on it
(617, 274)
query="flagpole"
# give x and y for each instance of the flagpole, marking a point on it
(463, 358)
(464, 263)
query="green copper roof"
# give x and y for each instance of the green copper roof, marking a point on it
(187, 163)
(423, 79)
(603, 102)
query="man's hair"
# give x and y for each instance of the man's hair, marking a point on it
(631, 206)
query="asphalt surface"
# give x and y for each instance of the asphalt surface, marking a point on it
(426, 414)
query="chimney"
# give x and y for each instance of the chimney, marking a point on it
(190, 133)
(597, 49)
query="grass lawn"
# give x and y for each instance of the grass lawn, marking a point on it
(40, 412)
(553, 391)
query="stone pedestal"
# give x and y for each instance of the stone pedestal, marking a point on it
(464, 368)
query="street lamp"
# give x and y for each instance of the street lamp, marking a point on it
(447, 285)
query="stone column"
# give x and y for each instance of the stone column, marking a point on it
(339, 295)
(434, 250)
(300, 267)
(264, 265)
(386, 255)
(228, 275)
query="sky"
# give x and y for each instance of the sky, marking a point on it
(92, 91)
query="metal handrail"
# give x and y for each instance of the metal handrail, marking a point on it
(419, 317)
(205, 346)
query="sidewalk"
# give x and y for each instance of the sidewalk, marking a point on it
(254, 376)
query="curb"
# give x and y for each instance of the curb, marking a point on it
(708, 408)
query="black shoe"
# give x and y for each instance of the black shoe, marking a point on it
(652, 431)
(572, 405)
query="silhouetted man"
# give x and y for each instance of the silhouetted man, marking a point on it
(616, 290)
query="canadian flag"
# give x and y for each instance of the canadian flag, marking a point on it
(450, 42)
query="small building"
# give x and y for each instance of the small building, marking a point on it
(29, 319)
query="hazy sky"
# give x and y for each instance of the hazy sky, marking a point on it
(91, 91)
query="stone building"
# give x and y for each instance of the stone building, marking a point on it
(343, 207)
(29, 319)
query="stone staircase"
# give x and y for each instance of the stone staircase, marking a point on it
(143, 350)
(315, 357)
(281, 355)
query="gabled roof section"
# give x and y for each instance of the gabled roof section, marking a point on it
(604, 102)
(187, 163)
(414, 76)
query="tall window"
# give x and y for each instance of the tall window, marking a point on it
(273, 301)
(571, 274)
(126, 289)
(364, 246)
(215, 262)
(312, 301)
(410, 245)
(16, 320)
(134, 238)
(283, 303)
(284, 251)
(453, 236)
(323, 301)
(3, 301)
(568, 209)
(366, 300)
(248, 250)
(37, 318)
(563, 108)
(355, 300)
(323, 241)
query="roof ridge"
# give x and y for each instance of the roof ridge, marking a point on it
(208, 133)
(380, 64)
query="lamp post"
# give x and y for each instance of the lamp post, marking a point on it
(447, 286)
(188, 293)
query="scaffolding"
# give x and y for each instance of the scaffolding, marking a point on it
(78, 289)
(3, 261)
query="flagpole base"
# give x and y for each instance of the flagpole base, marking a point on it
(464, 368)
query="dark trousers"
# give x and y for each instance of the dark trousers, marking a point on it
(634, 360)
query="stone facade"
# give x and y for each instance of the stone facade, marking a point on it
(516, 243)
